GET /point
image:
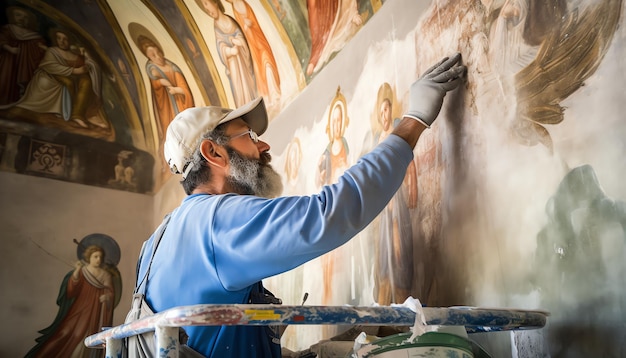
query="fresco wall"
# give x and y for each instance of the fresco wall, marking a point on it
(69, 106)
(515, 197)
(91, 86)
(88, 89)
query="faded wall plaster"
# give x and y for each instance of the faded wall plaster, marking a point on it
(520, 202)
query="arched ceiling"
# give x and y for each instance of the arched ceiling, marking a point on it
(89, 86)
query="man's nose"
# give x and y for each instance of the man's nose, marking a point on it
(262, 146)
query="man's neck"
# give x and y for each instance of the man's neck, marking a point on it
(212, 188)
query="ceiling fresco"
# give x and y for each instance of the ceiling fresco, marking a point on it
(90, 86)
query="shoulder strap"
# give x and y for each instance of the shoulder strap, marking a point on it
(140, 287)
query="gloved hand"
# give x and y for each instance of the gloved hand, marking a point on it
(427, 93)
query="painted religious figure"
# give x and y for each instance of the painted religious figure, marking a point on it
(334, 160)
(234, 52)
(86, 300)
(393, 269)
(331, 24)
(293, 161)
(67, 83)
(170, 90)
(124, 172)
(265, 68)
(21, 49)
(332, 163)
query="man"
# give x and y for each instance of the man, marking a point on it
(232, 230)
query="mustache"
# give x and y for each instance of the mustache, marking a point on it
(265, 158)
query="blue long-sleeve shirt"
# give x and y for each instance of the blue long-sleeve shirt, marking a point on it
(217, 247)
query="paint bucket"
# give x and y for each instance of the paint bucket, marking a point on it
(429, 344)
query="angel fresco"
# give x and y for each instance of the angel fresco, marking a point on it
(544, 51)
(87, 297)
(537, 54)
(265, 68)
(234, 52)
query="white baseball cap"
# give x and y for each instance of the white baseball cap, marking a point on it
(189, 126)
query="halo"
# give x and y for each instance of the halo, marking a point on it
(106, 242)
(338, 101)
(293, 150)
(136, 30)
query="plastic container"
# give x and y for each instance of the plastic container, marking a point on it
(429, 344)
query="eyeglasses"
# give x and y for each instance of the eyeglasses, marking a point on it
(250, 132)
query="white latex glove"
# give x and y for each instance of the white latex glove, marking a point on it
(427, 93)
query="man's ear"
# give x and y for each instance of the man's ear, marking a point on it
(213, 153)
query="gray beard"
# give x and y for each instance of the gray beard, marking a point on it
(252, 177)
